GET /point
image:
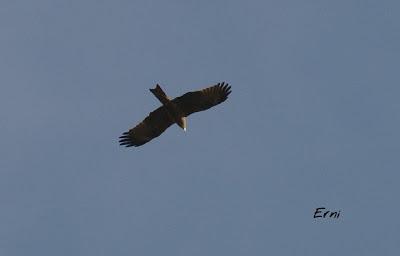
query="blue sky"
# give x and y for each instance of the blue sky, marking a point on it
(312, 121)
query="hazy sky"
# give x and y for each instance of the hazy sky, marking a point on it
(312, 121)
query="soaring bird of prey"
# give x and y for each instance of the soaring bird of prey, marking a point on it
(173, 111)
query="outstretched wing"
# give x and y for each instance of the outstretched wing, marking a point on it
(204, 99)
(152, 126)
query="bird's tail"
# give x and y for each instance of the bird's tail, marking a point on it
(160, 94)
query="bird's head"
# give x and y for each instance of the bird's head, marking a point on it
(182, 123)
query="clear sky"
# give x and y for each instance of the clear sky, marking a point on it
(312, 121)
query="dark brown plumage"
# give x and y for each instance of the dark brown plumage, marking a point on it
(173, 111)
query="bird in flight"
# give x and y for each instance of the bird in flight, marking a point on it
(173, 111)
